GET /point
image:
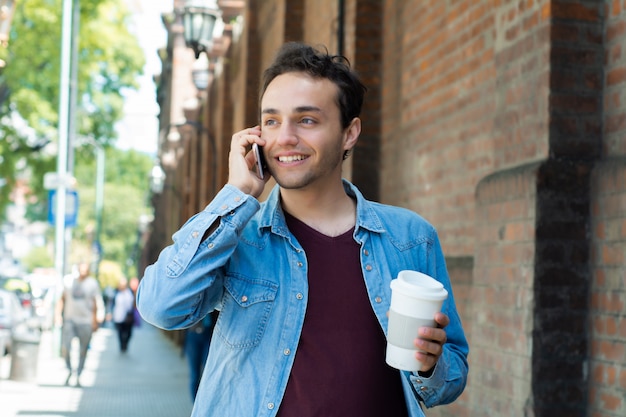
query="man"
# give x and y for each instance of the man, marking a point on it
(302, 280)
(79, 309)
(123, 313)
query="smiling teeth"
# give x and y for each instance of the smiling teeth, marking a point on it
(291, 158)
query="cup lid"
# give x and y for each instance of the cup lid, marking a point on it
(419, 285)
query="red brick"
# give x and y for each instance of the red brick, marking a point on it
(617, 75)
(615, 31)
(611, 402)
(616, 8)
(573, 10)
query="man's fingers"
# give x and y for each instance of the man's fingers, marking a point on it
(431, 333)
(246, 137)
(429, 347)
(442, 320)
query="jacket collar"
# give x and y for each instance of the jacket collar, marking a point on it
(272, 215)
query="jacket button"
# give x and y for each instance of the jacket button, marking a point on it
(368, 267)
(270, 406)
(244, 298)
(378, 299)
(366, 252)
(299, 296)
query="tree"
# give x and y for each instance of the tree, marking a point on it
(109, 274)
(38, 257)
(125, 200)
(110, 61)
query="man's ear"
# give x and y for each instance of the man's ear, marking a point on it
(352, 133)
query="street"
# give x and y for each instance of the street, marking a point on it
(151, 379)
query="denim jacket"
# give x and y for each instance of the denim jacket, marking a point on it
(254, 271)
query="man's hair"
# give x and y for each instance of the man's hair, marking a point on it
(298, 57)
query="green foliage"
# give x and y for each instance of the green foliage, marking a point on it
(109, 274)
(124, 167)
(109, 62)
(125, 200)
(38, 257)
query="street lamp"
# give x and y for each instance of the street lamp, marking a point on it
(200, 73)
(199, 17)
(157, 178)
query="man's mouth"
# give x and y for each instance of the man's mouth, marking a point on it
(291, 158)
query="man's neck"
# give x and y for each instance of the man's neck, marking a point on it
(330, 211)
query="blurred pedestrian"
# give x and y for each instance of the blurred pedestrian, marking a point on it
(196, 348)
(107, 295)
(123, 313)
(78, 313)
(133, 283)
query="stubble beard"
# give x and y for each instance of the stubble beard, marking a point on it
(328, 165)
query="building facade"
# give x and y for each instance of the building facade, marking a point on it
(501, 122)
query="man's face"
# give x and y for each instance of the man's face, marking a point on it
(83, 270)
(300, 120)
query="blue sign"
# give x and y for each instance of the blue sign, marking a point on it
(71, 207)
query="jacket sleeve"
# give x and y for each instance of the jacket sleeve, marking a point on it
(185, 283)
(449, 377)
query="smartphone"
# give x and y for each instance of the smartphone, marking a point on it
(260, 160)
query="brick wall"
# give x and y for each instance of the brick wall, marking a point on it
(504, 124)
(607, 381)
(461, 271)
(465, 93)
(502, 295)
(366, 54)
(562, 268)
(464, 125)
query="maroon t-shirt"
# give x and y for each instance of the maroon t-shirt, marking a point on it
(340, 367)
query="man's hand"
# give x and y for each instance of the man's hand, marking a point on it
(430, 343)
(241, 162)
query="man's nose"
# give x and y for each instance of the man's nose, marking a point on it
(287, 134)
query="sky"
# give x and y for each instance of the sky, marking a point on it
(139, 128)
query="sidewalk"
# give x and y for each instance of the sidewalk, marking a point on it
(151, 379)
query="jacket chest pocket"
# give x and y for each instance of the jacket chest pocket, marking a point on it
(246, 308)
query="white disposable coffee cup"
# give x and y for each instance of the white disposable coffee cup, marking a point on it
(415, 299)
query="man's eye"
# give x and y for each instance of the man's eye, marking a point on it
(269, 122)
(307, 121)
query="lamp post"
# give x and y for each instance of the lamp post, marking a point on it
(199, 17)
(157, 178)
(64, 115)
